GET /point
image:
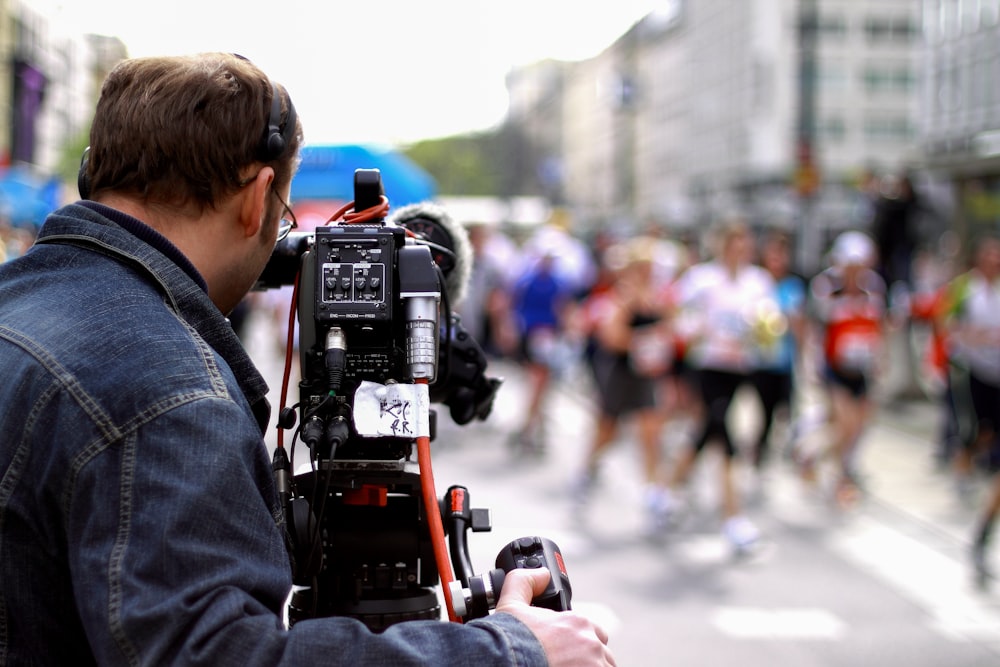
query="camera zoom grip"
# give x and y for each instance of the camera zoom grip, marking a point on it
(483, 591)
(535, 552)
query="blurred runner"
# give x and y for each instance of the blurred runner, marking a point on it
(539, 302)
(974, 328)
(632, 350)
(849, 303)
(984, 531)
(484, 309)
(718, 301)
(779, 333)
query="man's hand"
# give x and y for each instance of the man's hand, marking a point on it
(567, 637)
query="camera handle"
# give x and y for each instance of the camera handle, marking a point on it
(480, 593)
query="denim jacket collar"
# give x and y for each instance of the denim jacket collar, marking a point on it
(84, 227)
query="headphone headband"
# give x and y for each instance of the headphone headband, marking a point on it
(276, 136)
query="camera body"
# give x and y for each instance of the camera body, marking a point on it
(363, 542)
(378, 344)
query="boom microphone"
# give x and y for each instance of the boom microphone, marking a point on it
(447, 239)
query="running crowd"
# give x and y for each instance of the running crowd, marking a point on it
(670, 331)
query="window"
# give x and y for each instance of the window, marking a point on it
(832, 129)
(831, 26)
(887, 128)
(890, 29)
(887, 78)
(832, 77)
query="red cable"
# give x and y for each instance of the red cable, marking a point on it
(435, 525)
(347, 214)
(289, 348)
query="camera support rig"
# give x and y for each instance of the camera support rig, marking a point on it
(378, 344)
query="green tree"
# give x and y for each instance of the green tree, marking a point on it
(498, 163)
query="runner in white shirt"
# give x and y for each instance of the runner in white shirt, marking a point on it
(719, 301)
(974, 327)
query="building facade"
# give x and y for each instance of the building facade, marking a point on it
(768, 109)
(960, 107)
(49, 82)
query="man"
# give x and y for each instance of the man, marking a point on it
(138, 519)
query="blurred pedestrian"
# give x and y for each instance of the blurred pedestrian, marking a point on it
(718, 300)
(632, 350)
(894, 229)
(484, 308)
(974, 328)
(848, 301)
(984, 531)
(779, 329)
(539, 303)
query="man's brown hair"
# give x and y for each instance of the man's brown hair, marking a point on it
(185, 129)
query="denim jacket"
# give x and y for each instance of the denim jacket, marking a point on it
(139, 523)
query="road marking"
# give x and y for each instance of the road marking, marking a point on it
(798, 623)
(938, 584)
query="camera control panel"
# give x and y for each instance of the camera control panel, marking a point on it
(356, 273)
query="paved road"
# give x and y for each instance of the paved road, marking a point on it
(885, 584)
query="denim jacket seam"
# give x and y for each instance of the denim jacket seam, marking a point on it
(176, 287)
(208, 357)
(66, 380)
(115, 251)
(115, 598)
(109, 432)
(120, 252)
(7, 484)
(128, 441)
(127, 432)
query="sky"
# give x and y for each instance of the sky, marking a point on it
(383, 71)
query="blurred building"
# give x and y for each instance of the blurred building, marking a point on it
(771, 109)
(49, 82)
(960, 107)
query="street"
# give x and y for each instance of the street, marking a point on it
(886, 583)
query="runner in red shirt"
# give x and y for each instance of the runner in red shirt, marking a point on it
(849, 303)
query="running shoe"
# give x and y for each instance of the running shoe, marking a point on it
(581, 488)
(741, 534)
(660, 505)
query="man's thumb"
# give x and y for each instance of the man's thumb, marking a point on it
(523, 585)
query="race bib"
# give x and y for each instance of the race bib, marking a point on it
(856, 354)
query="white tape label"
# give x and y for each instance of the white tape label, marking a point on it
(397, 410)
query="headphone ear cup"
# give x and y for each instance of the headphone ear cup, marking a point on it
(276, 140)
(275, 143)
(82, 178)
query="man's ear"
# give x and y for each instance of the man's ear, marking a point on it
(254, 204)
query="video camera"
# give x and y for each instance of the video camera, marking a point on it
(378, 343)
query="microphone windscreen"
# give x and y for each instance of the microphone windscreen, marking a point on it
(433, 223)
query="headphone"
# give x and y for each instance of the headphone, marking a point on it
(82, 179)
(277, 138)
